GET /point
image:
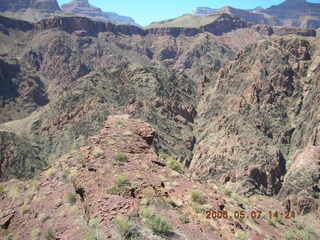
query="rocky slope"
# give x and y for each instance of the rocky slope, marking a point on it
(83, 8)
(262, 122)
(294, 13)
(116, 187)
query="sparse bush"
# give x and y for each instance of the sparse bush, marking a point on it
(198, 209)
(50, 172)
(146, 213)
(65, 176)
(120, 124)
(50, 234)
(299, 225)
(174, 165)
(126, 228)
(25, 208)
(2, 189)
(90, 235)
(122, 184)
(159, 225)
(290, 236)
(120, 158)
(197, 196)
(13, 192)
(97, 152)
(184, 219)
(71, 198)
(9, 237)
(307, 234)
(80, 159)
(301, 235)
(227, 192)
(242, 236)
(271, 222)
(35, 185)
(94, 222)
(35, 234)
(122, 180)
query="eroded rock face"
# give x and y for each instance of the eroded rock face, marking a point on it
(257, 108)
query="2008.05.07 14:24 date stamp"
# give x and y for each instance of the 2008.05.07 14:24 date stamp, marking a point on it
(254, 214)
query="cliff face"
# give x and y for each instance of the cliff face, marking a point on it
(84, 8)
(259, 106)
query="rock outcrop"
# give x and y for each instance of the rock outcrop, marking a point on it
(84, 8)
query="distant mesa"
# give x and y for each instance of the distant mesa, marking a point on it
(84, 8)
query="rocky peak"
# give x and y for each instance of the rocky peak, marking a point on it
(84, 8)
(18, 5)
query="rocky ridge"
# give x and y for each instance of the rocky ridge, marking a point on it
(294, 13)
(83, 195)
(84, 8)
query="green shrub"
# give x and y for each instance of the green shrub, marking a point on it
(197, 196)
(120, 158)
(198, 209)
(71, 198)
(126, 228)
(90, 235)
(25, 208)
(122, 184)
(80, 159)
(65, 176)
(174, 165)
(242, 236)
(2, 189)
(290, 236)
(122, 180)
(159, 225)
(307, 234)
(184, 219)
(35, 185)
(146, 213)
(50, 234)
(9, 237)
(228, 192)
(94, 222)
(35, 234)
(271, 222)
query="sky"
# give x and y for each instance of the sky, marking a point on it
(145, 11)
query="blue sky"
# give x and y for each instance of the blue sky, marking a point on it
(145, 11)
